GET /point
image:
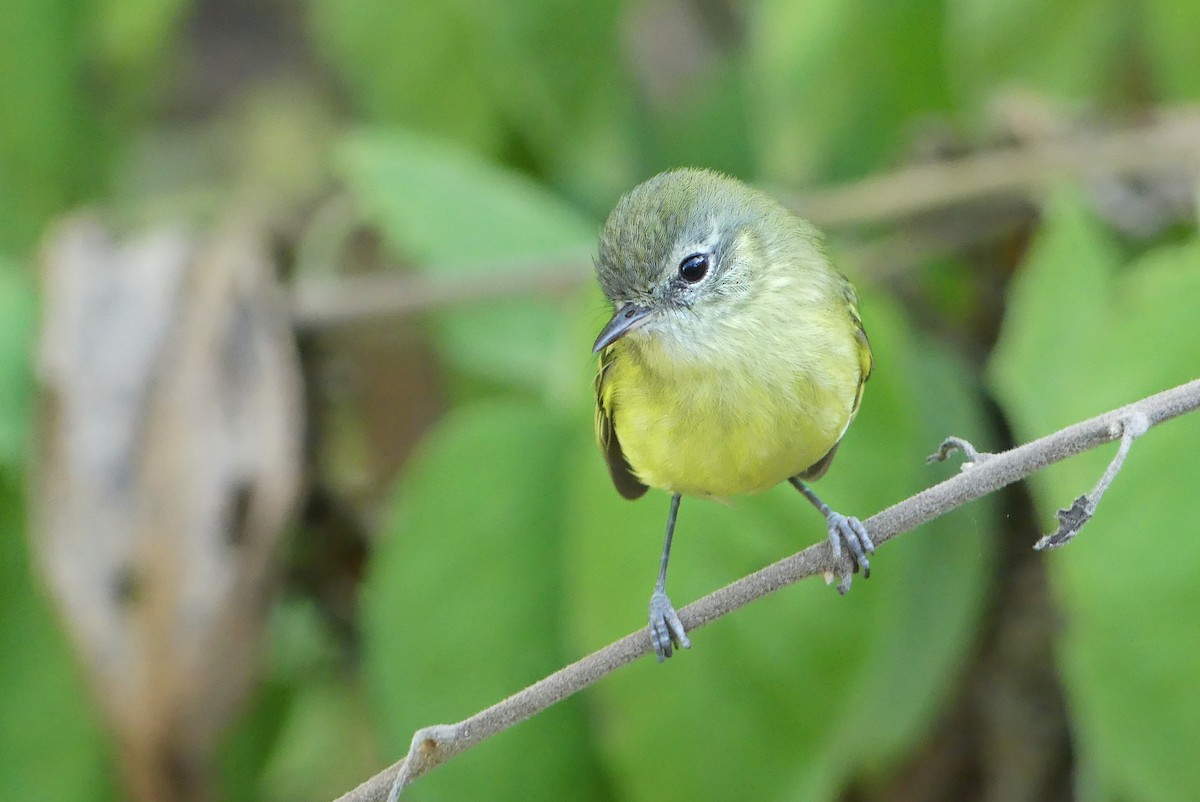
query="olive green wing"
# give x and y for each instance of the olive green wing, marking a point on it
(866, 360)
(866, 364)
(623, 477)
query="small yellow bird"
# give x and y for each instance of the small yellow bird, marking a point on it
(735, 358)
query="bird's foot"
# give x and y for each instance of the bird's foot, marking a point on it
(851, 533)
(666, 630)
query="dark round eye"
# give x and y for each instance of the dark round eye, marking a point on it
(694, 268)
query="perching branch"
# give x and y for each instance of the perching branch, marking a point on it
(986, 473)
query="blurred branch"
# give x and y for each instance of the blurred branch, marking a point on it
(432, 746)
(1168, 143)
(319, 303)
(337, 301)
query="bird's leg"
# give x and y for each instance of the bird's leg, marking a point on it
(842, 529)
(666, 630)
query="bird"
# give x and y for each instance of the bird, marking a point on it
(735, 358)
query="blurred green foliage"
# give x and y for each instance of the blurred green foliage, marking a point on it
(51, 746)
(18, 302)
(834, 83)
(1130, 649)
(481, 136)
(422, 592)
(511, 218)
(79, 79)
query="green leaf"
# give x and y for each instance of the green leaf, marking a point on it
(246, 748)
(1082, 337)
(710, 128)
(48, 139)
(542, 77)
(51, 746)
(305, 733)
(135, 34)
(1170, 42)
(555, 70)
(18, 309)
(834, 83)
(463, 605)
(1067, 48)
(324, 746)
(432, 84)
(782, 700)
(451, 210)
(458, 215)
(77, 78)
(1066, 277)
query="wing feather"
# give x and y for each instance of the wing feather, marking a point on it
(627, 484)
(866, 360)
(866, 364)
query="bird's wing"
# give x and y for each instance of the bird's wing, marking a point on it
(866, 363)
(626, 483)
(866, 360)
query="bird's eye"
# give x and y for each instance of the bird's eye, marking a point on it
(694, 267)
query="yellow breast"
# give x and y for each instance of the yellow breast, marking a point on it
(736, 425)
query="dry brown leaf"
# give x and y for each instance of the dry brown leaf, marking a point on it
(169, 463)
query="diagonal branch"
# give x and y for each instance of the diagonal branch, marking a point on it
(434, 745)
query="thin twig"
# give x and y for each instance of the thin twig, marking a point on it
(326, 302)
(432, 746)
(1072, 519)
(952, 444)
(1172, 142)
(330, 302)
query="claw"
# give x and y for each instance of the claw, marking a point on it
(850, 530)
(666, 630)
(842, 529)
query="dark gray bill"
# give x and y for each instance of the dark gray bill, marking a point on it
(625, 320)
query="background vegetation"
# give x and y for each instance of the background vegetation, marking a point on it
(458, 537)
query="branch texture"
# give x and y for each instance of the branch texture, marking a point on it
(434, 745)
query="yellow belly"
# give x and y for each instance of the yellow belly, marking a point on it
(733, 430)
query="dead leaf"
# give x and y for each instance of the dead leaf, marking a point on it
(169, 462)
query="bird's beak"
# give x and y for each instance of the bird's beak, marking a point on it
(624, 320)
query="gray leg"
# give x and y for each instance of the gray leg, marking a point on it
(666, 630)
(842, 529)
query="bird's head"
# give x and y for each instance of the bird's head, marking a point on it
(686, 250)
